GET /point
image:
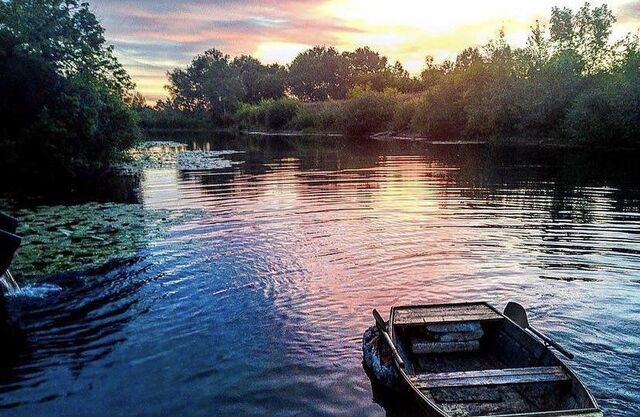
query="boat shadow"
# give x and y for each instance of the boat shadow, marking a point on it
(395, 402)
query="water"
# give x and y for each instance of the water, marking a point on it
(8, 284)
(257, 305)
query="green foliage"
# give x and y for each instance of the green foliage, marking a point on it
(319, 73)
(62, 90)
(367, 112)
(209, 83)
(66, 35)
(607, 112)
(82, 127)
(322, 73)
(270, 114)
(166, 115)
(259, 81)
(570, 81)
(440, 113)
(319, 116)
(585, 33)
(404, 114)
(279, 113)
(217, 85)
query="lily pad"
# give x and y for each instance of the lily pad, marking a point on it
(160, 154)
(62, 238)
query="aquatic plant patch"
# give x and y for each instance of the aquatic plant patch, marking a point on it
(63, 238)
(167, 154)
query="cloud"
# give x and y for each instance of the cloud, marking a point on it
(629, 12)
(153, 36)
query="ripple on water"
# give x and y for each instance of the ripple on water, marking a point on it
(256, 304)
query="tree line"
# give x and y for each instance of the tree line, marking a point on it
(571, 80)
(214, 86)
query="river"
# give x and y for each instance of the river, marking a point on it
(255, 302)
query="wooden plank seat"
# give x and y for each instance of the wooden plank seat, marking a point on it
(444, 314)
(448, 338)
(491, 377)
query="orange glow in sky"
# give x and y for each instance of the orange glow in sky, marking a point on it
(153, 36)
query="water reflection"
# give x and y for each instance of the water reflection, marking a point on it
(257, 305)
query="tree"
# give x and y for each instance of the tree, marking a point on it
(319, 73)
(209, 83)
(468, 58)
(68, 36)
(607, 110)
(61, 91)
(585, 33)
(531, 59)
(432, 74)
(260, 82)
(364, 61)
(26, 84)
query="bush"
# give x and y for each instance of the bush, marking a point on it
(250, 115)
(608, 112)
(58, 126)
(63, 95)
(307, 119)
(172, 118)
(279, 113)
(84, 129)
(404, 114)
(368, 112)
(269, 114)
(440, 113)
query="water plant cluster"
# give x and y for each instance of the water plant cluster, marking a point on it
(64, 238)
(169, 154)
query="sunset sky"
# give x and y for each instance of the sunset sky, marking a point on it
(153, 36)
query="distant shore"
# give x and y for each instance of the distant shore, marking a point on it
(405, 136)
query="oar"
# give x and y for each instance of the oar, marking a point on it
(382, 327)
(518, 314)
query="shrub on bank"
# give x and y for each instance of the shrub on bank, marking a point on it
(269, 114)
(65, 98)
(172, 118)
(58, 127)
(318, 116)
(404, 114)
(279, 113)
(368, 112)
(607, 113)
(440, 112)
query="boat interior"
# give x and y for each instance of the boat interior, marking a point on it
(470, 360)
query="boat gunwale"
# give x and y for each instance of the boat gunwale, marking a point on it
(555, 413)
(434, 407)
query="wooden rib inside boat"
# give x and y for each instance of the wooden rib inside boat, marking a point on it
(469, 359)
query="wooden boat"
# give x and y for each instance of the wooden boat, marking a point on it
(9, 241)
(469, 359)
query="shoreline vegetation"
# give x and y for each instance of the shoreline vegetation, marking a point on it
(72, 111)
(572, 84)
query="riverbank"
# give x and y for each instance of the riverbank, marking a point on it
(391, 136)
(529, 142)
(394, 116)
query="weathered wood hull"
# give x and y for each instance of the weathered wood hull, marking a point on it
(9, 241)
(505, 372)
